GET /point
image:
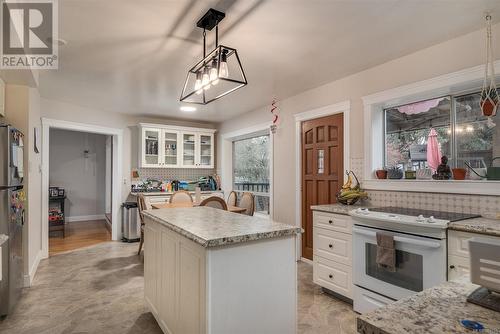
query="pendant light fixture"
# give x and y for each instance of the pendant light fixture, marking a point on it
(490, 99)
(218, 73)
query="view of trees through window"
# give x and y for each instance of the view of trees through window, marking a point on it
(463, 134)
(251, 169)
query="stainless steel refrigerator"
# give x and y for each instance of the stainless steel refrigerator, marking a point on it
(12, 198)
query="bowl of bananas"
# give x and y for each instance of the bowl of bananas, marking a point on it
(350, 192)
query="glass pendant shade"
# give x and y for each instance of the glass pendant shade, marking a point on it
(221, 70)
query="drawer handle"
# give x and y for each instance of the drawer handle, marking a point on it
(452, 267)
(331, 276)
(330, 245)
(330, 221)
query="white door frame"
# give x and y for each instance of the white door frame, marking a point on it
(117, 135)
(227, 157)
(338, 108)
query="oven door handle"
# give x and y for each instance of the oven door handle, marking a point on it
(411, 241)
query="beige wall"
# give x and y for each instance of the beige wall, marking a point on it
(70, 112)
(453, 55)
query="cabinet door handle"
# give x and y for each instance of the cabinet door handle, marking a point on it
(330, 245)
(330, 222)
(331, 276)
(452, 267)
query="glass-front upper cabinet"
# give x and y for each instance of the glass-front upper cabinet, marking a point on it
(189, 149)
(170, 148)
(150, 147)
(206, 150)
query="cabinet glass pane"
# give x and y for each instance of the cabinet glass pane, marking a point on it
(170, 148)
(188, 142)
(205, 150)
(151, 141)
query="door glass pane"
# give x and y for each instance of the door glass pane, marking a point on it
(409, 269)
(188, 148)
(321, 161)
(478, 141)
(205, 150)
(170, 148)
(151, 147)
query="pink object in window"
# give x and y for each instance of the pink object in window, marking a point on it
(419, 107)
(433, 151)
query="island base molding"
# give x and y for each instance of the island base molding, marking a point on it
(248, 287)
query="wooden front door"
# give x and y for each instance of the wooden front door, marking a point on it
(322, 169)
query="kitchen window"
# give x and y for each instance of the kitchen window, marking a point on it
(463, 134)
(251, 170)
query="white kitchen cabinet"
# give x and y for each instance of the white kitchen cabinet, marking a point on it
(163, 146)
(332, 254)
(458, 252)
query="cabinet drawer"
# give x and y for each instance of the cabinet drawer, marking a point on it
(458, 266)
(332, 221)
(332, 245)
(334, 276)
(158, 199)
(458, 243)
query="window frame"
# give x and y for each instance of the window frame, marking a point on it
(233, 157)
(461, 82)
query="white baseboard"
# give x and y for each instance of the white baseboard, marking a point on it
(28, 279)
(84, 218)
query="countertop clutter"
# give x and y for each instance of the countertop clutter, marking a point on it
(211, 227)
(435, 310)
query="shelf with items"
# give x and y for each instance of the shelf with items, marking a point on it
(57, 216)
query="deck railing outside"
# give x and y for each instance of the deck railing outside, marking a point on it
(260, 191)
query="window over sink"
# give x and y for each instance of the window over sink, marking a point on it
(463, 134)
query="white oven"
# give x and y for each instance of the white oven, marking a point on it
(420, 264)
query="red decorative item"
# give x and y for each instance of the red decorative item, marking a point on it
(274, 112)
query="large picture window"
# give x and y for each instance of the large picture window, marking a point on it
(251, 170)
(463, 134)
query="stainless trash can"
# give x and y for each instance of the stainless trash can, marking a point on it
(130, 228)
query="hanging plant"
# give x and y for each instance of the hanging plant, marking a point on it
(489, 95)
(274, 112)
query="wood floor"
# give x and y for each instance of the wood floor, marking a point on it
(78, 235)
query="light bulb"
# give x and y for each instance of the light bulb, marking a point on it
(223, 70)
(197, 83)
(213, 73)
(205, 79)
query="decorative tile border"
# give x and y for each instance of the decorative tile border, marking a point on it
(188, 174)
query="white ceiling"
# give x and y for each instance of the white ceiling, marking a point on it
(132, 56)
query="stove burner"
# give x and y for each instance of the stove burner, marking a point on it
(451, 216)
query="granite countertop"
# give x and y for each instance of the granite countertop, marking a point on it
(3, 239)
(435, 310)
(211, 227)
(166, 193)
(337, 208)
(477, 225)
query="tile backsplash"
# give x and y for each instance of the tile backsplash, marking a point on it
(478, 204)
(189, 174)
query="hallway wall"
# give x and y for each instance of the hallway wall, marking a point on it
(81, 175)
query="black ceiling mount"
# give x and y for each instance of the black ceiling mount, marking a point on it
(210, 19)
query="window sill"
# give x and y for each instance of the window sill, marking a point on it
(472, 187)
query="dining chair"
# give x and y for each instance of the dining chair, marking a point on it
(214, 202)
(232, 199)
(181, 196)
(141, 206)
(247, 201)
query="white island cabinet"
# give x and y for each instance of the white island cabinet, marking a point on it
(212, 271)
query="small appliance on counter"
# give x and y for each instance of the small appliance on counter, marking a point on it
(485, 272)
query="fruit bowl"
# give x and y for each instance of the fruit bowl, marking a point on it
(350, 194)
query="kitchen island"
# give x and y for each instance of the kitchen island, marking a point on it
(212, 271)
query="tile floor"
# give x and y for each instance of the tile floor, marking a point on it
(100, 290)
